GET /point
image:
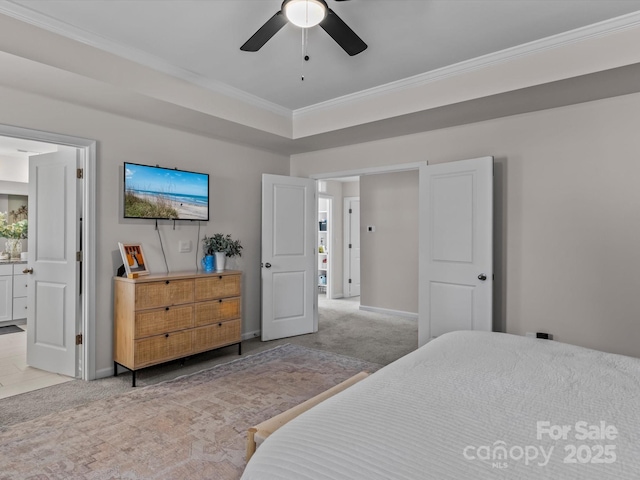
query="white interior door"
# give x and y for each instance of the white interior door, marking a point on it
(53, 300)
(289, 256)
(352, 244)
(456, 271)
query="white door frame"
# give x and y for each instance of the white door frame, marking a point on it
(88, 151)
(329, 245)
(422, 190)
(346, 251)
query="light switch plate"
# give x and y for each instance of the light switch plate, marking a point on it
(184, 246)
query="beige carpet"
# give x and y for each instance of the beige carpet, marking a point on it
(193, 427)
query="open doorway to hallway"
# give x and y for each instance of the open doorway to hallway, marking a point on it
(338, 242)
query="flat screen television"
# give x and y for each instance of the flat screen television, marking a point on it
(165, 193)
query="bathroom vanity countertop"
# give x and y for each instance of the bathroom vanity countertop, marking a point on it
(12, 262)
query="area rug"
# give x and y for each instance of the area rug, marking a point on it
(193, 427)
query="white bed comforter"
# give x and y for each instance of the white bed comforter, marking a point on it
(471, 405)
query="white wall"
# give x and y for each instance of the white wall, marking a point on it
(14, 168)
(389, 255)
(351, 189)
(235, 186)
(567, 213)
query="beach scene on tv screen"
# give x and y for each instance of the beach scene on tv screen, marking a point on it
(153, 192)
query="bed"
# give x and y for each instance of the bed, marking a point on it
(470, 405)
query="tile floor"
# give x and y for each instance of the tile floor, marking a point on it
(15, 375)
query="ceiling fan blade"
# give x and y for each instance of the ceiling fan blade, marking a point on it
(342, 34)
(265, 32)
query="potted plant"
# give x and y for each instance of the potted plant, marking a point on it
(221, 246)
(14, 233)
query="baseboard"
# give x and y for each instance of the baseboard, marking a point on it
(337, 295)
(104, 373)
(387, 311)
(250, 335)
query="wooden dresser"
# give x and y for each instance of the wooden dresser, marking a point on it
(158, 318)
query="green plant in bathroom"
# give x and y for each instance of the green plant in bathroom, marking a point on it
(18, 230)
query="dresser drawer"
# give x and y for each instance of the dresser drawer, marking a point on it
(162, 348)
(163, 320)
(217, 286)
(216, 335)
(163, 293)
(217, 311)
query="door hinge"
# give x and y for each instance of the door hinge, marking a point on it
(79, 339)
(79, 173)
(350, 211)
(349, 280)
(78, 256)
(349, 245)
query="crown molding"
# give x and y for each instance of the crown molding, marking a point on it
(27, 15)
(603, 28)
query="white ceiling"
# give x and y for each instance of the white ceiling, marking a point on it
(200, 40)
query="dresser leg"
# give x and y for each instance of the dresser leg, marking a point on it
(240, 348)
(115, 369)
(133, 378)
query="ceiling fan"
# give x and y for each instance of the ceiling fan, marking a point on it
(305, 14)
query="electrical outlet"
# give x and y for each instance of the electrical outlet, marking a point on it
(371, 228)
(184, 246)
(541, 335)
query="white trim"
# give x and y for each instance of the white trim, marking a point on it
(329, 242)
(424, 328)
(605, 27)
(104, 373)
(40, 20)
(250, 335)
(88, 234)
(386, 311)
(401, 167)
(346, 260)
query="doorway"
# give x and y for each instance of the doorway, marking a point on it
(335, 200)
(17, 375)
(326, 246)
(84, 150)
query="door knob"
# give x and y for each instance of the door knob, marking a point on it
(482, 277)
(268, 265)
(27, 270)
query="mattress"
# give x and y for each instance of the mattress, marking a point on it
(471, 405)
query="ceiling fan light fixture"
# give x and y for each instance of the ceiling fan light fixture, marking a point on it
(305, 13)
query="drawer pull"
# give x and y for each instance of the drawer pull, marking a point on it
(166, 335)
(167, 309)
(167, 282)
(220, 277)
(220, 301)
(220, 324)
